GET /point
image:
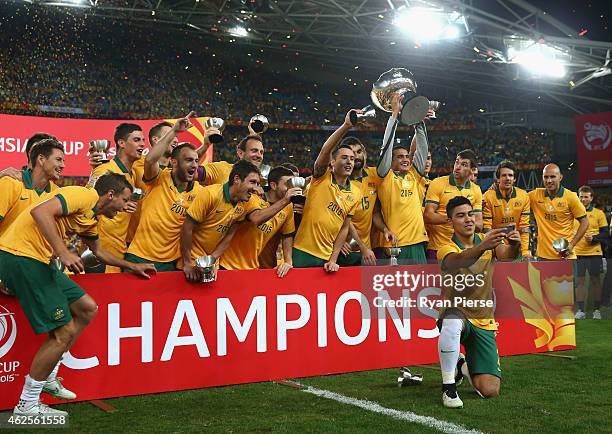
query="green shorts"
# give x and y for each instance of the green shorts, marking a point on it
(352, 260)
(45, 293)
(302, 259)
(159, 266)
(480, 350)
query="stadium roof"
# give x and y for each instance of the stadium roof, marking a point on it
(366, 33)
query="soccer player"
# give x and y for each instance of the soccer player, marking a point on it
(130, 143)
(443, 189)
(250, 149)
(17, 174)
(169, 195)
(469, 253)
(399, 192)
(35, 185)
(332, 200)
(237, 257)
(51, 301)
(555, 208)
(590, 254)
(507, 205)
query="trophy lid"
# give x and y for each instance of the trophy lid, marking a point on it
(395, 80)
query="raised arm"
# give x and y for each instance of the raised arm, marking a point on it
(386, 149)
(324, 157)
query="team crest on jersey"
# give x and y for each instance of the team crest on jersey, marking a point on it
(180, 201)
(517, 204)
(238, 210)
(282, 214)
(191, 197)
(561, 205)
(349, 197)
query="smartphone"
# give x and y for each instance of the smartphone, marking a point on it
(507, 229)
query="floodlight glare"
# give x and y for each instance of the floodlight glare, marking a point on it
(428, 24)
(538, 58)
(239, 31)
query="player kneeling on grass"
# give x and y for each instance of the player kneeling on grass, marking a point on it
(52, 302)
(469, 258)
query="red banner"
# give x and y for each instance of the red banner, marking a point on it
(594, 147)
(167, 334)
(75, 134)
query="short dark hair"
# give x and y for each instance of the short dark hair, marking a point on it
(586, 189)
(45, 148)
(242, 169)
(123, 130)
(468, 154)
(242, 144)
(454, 203)
(34, 139)
(112, 181)
(277, 173)
(401, 145)
(178, 148)
(337, 149)
(156, 129)
(291, 167)
(352, 141)
(506, 164)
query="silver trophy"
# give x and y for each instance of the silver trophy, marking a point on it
(394, 252)
(407, 378)
(219, 124)
(137, 194)
(57, 264)
(89, 259)
(259, 123)
(101, 146)
(264, 171)
(433, 106)
(400, 81)
(299, 182)
(206, 265)
(367, 117)
(561, 246)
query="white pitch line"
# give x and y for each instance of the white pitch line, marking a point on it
(408, 416)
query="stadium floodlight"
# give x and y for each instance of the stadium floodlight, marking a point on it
(239, 31)
(537, 57)
(429, 24)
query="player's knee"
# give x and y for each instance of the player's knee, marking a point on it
(87, 311)
(64, 335)
(489, 390)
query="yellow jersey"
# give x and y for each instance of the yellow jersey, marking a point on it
(400, 203)
(250, 240)
(217, 172)
(113, 232)
(164, 209)
(213, 214)
(555, 218)
(18, 195)
(362, 220)
(23, 238)
(327, 206)
(499, 210)
(481, 289)
(441, 190)
(597, 221)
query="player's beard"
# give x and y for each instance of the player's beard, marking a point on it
(357, 165)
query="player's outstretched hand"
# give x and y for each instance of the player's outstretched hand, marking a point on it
(283, 269)
(143, 270)
(390, 237)
(493, 238)
(183, 124)
(192, 273)
(368, 257)
(514, 237)
(72, 262)
(331, 267)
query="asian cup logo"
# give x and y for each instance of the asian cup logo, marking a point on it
(596, 137)
(8, 330)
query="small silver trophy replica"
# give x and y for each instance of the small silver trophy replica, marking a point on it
(137, 194)
(101, 146)
(367, 117)
(561, 246)
(394, 252)
(264, 171)
(259, 123)
(400, 81)
(89, 259)
(206, 265)
(434, 106)
(407, 378)
(299, 182)
(217, 123)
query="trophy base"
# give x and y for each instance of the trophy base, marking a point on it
(414, 110)
(299, 200)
